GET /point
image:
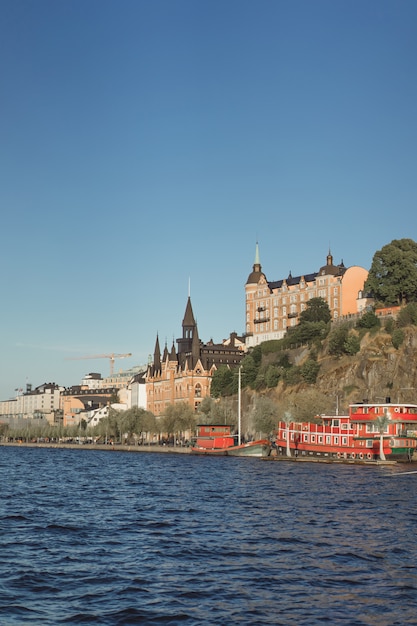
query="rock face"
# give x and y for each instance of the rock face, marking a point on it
(377, 372)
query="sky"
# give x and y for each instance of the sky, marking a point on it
(147, 145)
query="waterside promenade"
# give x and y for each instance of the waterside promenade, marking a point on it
(107, 448)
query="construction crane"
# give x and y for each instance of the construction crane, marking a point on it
(111, 356)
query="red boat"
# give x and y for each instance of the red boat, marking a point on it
(218, 440)
(370, 432)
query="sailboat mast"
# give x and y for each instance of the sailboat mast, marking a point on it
(239, 408)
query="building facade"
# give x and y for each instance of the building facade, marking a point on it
(184, 374)
(274, 306)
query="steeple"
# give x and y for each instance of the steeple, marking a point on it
(256, 273)
(329, 258)
(157, 356)
(188, 321)
(189, 330)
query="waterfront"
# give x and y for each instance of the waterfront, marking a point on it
(109, 538)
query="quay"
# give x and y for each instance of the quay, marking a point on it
(100, 446)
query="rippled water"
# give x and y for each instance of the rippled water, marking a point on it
(96, 537)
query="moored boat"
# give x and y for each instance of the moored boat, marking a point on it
(369, 432)
(218, 440)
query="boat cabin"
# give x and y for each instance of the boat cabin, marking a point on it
(214, 436)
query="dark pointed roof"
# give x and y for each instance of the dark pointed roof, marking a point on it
(173, 353)
(188, 315)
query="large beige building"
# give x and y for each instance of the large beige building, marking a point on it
(274, 306)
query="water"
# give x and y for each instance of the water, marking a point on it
(96, 537)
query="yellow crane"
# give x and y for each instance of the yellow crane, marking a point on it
(111, 356)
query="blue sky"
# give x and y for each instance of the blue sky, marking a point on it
(146, 145)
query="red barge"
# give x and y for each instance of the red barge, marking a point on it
(370, 432)
(218, 440)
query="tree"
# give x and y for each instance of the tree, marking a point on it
(368, 320)
(408, 315)
(309, 371)
(392, 279)
(265, 415)
(178, 417)
(397, 338)
(352, 345)
(222, 382)
(381, 423)
(317, 310)
(287, 419)
(337, 339)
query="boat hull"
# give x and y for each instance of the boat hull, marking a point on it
(260, 448)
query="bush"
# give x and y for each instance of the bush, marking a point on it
(368, 320)
(352, 345)
(397, 338)
(337, 339)
(408, 315)
(309, 371)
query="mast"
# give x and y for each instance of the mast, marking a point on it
(239, 408)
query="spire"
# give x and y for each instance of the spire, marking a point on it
(173, 353)
(329, 258)
(257, 261)
(157, 355)
(256, 273)
(188, 315)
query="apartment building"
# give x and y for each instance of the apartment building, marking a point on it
(274, 306)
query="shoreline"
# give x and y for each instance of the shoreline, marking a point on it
(98, 446)
(152, 449)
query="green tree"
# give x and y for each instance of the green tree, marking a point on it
(272, 376)
(178, 417)
(352, 345)
(250, 369)
(317, 310)
(368, 320)
(222, 382)
(337, 339)
(265, 415)
(309, 371)
(397, 338)
(392, 278)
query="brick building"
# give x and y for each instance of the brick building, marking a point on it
(184, 374)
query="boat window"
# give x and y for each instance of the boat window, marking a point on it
(335, 422)
(369, 443)
(336, 441)
(344, 441)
